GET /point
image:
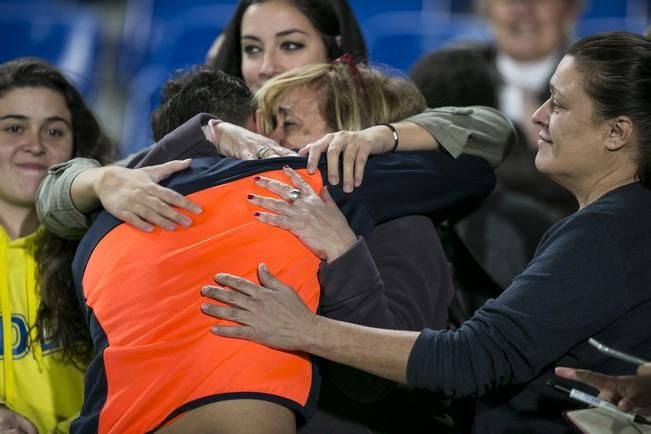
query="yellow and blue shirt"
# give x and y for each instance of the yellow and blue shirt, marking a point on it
(33, 381)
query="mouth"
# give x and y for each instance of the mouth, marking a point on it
(524, 27)
(37, 167)
(543, 139)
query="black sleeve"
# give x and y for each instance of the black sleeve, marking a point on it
(186, 141)
(406, 183)
(399, 279)
(563, 297)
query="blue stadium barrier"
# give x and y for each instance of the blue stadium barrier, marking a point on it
(399, 39)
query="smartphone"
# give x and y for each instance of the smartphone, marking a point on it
(616, 354)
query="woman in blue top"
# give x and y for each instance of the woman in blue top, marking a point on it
(590, 275)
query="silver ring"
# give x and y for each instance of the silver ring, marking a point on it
(293, 195)
(261, 151)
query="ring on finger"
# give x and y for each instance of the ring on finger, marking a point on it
(261, 151)
(293, 195)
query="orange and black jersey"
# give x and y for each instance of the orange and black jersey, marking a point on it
(155, 356)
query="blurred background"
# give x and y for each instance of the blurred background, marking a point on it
(120, 52)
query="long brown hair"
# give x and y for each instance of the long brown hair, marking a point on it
(59, 317)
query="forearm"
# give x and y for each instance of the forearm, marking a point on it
(352, 289)
(377, 351)
(397, 279)
(406, 183)
(476, 130)
(365, 287)
(411, 137)
(82, 189)
(56, 208)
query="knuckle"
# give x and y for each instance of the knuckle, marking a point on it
(234, 313)
(333, 149)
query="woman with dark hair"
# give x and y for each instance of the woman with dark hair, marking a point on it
(590, 276)
(267, 37)
(43, 121)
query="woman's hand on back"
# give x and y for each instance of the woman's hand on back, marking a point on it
(134, 196)
(314, 219)
(237, 142)
(353, 149)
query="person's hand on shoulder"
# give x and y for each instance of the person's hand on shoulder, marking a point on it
(626, 391)
(14, 423)
(134, 196)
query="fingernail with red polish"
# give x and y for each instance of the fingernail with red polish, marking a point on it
(256, 214)
(249, 196)
(256, 178)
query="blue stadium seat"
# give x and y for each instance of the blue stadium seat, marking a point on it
(398, 39)
(608, 16)
(67, 35)
(175, 45)
(144, 96)
(145, 21)
(185, 39)
(364, 9)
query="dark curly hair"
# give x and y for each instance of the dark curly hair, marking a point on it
(201, 89)
(59, 317)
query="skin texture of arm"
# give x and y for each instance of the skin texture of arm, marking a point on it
(380, 352)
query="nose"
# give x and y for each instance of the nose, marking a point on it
(33, 143)
(270, 66)
(541, 116)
